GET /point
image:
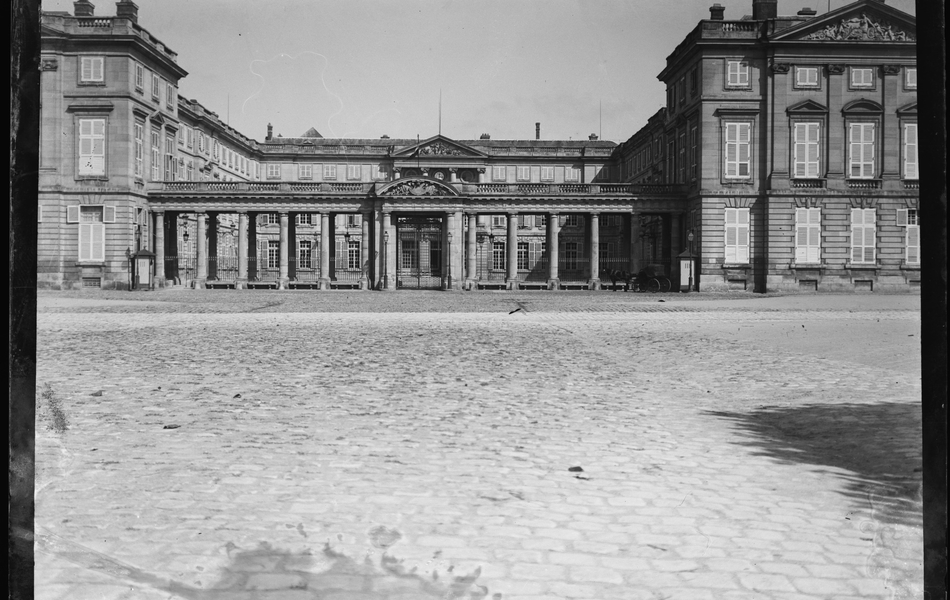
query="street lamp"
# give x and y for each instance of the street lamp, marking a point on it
(386, 260)
(689, 238)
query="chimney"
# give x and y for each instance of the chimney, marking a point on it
(807, 12)
(128, 10)
(484, 136)
(537, 131)
(716, 12)
(764, 9)
(270, 132)
(592, 137)
(84, 8)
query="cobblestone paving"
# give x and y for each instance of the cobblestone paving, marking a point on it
(718, 448)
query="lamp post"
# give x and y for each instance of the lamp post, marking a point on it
(386, 260)
(689, 238)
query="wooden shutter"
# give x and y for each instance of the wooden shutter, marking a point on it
(72, 214)
(910, 151)
(913, 244)
(108, 214)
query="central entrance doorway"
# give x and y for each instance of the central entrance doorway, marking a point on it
(419, 253)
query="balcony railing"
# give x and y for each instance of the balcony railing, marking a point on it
(864, 184)
(282, 187)
(730, 29)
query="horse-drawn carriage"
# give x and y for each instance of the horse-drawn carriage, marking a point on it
(648, 279)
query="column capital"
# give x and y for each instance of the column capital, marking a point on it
(158, 211)
(594, 214)
(453, 169)
(480, 169)
(201, 215)
(241, 211)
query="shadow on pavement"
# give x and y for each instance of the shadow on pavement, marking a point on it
(874, 448)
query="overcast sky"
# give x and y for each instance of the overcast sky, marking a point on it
(365, 68)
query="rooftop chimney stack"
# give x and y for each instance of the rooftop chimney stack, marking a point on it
(537, 131)
(270, 132)
(592, 137)
(128, 10)
(807, 12)
(484, 136)
(764, 9)
(84, 8)
(717, 12)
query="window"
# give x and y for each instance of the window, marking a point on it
(737, 235)
(303, 219)
(540, 221)
(201, 142)
(572, 221)
(329, 171)
(304, 254)
(805, 154)
(737, 73)
(380, 172)
(156, 156)
(181, 136)
(571, 255)
(191, 170)
(170, 96)
(91, 70)
(216, 150)
(92, 238)
(170, 161)
(907, 218)
(273, 171)
(354, 220)
(525, 221)
(353, 254)
(435, 256)
(547, 173)
(807, 235)
(498, 256)
(806, 77)
(523, 256)
(305, 171)
(156, 86)
(572, 174)
(862, 77)
(694, 152)
(910, 151)
(273, 254)
(498, 221)
(682, 158)
(738, 151)
(139, 77)
(861, 150)
(191, 136)
(499, 173)
(92, 147)
(863, 235)
(910, 78)
(353, 172)
(409, 254)
(139, 148)
(269, 219)
(524, 174)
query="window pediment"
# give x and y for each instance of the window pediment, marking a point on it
(807, 107)
(863, 106)
(908, 109)
(90, 106)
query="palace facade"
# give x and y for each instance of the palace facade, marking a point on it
(785, 159)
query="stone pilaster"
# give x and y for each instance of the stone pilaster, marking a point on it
(551, 247)
(158, 280)
(241, 282)
(201, 250)
(324, 282)
(594, 225)
(471, 264)
(365, 241)
(511, 250)
(283, 277)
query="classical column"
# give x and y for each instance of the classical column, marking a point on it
(324, 283)
(159, 249)
(201, 253)
(171, 247)
(453, 174)
(282, 278)
(389, 253)
(594, 251)
(512, 252)
(253, 260)
(212, 246)
(675, 246)
(241, 282)
(292, 246)
(481, 175)
(551, 247)
(636, 248)
(364, 251)
(471, 265)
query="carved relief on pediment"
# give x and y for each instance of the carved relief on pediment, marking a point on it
(439, 149)
(862, 28)
(417, 188)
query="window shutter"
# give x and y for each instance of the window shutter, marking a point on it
(901, 217)
(913, 244)
(910, 151)
(814, 235)
(801, 235)
(72, 214)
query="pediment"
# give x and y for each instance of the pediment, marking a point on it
(866, 21)
(908, 109)
(863, 105)
(417, 186)
(807, 107)
(438, 146)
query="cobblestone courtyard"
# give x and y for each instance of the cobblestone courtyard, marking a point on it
(497, 446)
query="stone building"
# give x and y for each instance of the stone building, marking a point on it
(786, 152)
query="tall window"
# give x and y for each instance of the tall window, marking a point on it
(862, 77)
(910, 78)
(737, 235)
(863, 235)
(92, 238)
(682, 157)
(304, 254)
(156, 156)
(92, 69)
(498, 256)
(170, 96)
(305, 171)
(806, 77)
(524, 174)
(694, 152)
(910, 151)
(861, 150)
(571, 256)
(547, 173)
(191, 136)
(139, 148)
(156, 87)
(499, 173)
(572, 174)
(201, 142)
(353, 172)
(522, 256)
(807, 144)
(170, 158)
(273, 254)
(737, 73)
(92, 146)
(807, 235)
(139, 77)
(353, 254)
(907, 218)
(572, 221)
(410, 256)
(435, 256)
(738, 151)
(273, 171)
(329, 171)
(181, 136)
(191, 170)
(498, 221)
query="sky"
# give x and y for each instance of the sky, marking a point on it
(368, 68)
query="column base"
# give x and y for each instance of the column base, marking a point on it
(283, 283)
(199, 284)
(158, 282)
(323, 284)
(511, 284)
(554, 284)
(364, 283)
(593, 284)
(240, 284)
(468, 285)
